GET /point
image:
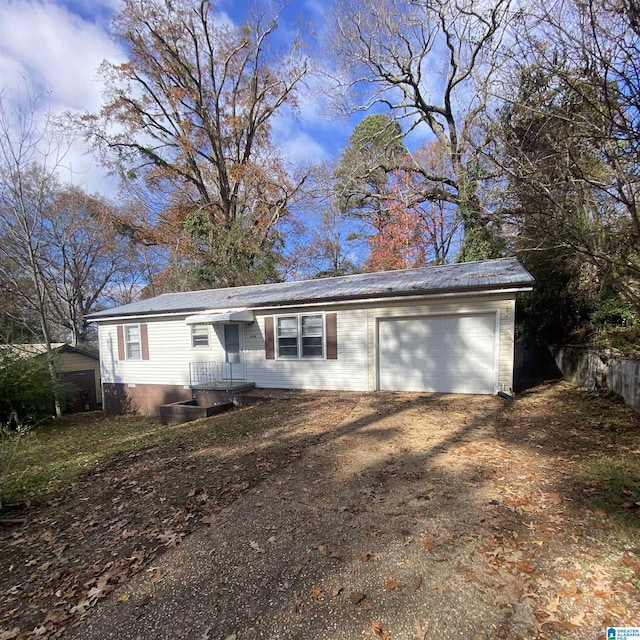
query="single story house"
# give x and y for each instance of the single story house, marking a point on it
(79, 367)
(441, 329)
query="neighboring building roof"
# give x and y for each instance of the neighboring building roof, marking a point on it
(504, 273)
(31, 349)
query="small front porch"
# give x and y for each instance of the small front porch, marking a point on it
(213, 390)
(212, 383)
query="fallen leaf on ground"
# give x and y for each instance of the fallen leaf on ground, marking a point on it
(10, 635)
(356, 597)
(316, 593)
(393, 584)
(417, 583)
(255, 546)
(526, 566)
(378, 631)
(428, 544)
(124, 597)
(619, 610)
(368, 555)
(336, 591)
(631, 562)
(419, 632)
(156, 576)
(440, 588)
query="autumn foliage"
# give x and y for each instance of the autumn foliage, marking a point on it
(409, 232)
(186, 122)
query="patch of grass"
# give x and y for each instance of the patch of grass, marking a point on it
(612, 485)
(59, 451)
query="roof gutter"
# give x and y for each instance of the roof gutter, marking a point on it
(451, 294)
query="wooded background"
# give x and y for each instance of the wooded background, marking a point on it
(486, 130)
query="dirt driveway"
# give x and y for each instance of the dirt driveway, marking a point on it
(343, 516)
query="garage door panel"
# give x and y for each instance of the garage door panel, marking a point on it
(446, 354)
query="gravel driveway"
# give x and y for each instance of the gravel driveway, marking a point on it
(397, 516)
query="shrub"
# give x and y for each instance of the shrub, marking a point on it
(27, 388)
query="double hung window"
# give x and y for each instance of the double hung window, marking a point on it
(132, 342)
(199, 336)
(300, 336)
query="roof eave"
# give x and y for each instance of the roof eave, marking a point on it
(520, 287)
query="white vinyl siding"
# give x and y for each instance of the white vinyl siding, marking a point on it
(170, 346)
(348, 371)
(170, 353)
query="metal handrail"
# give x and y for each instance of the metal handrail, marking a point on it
(202, 372)
(207, 372)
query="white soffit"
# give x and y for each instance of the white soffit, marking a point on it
(213, 317)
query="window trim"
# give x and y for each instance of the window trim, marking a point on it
(299, 355)
(128, 342)
(199, 347)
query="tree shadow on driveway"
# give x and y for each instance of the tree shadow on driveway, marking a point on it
(347, 514)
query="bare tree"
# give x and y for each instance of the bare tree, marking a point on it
(322, 239)
(430, 63)
(31, 154)
(84, 257)
(59, 249)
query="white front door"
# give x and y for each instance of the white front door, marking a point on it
(233, 352)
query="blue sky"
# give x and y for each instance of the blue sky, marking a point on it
(56, 46)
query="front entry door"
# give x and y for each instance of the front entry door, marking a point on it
(233, 354)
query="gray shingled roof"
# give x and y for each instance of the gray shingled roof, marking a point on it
(505, 273)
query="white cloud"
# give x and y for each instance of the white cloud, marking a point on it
(301, 149)
(46, 47)
(299, 142)
(56, 46)
(56, 50)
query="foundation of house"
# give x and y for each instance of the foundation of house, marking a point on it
(146, 399)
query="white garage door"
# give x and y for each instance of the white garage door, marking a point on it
(446, 354)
